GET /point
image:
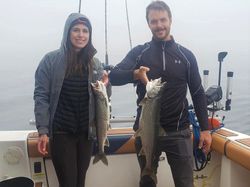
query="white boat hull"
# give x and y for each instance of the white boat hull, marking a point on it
(18, 157)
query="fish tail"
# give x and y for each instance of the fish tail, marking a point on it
(149, 172)
(106, 142)
(138, 133)
(101, 157)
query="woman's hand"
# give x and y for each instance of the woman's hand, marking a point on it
(105, 78)
(42, 142)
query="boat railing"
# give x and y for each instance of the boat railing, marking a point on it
(113, 120)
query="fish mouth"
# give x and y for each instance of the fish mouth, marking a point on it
(93, 85)
(96, 84)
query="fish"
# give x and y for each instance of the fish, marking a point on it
(102, 120)
(149, 125)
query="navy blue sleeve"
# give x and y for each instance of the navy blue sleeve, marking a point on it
(197, 92)
(123, 72)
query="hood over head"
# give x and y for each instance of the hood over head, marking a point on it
(72, 20)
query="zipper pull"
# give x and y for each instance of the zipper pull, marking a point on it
(163, 57)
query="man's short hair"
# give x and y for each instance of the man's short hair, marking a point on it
(158, 5)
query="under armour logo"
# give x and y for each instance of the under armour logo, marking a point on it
(177, 61)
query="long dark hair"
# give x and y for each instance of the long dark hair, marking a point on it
(80, 62)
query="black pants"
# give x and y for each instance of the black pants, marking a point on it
(178, 148)
(71, 155)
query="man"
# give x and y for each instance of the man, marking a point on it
(163, 57)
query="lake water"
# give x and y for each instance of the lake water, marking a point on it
(17, 86)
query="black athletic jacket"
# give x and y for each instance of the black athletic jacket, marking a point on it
(178, 67)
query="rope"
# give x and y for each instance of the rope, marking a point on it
(129, 33)
(200, 158)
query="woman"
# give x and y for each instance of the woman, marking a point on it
(64, 103)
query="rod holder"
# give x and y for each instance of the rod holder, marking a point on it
(205, 79)
(229, 90)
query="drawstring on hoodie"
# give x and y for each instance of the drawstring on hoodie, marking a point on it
(163, 56)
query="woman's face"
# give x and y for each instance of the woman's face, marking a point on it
(79, 36)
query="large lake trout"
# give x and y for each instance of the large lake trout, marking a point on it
(102, 120)
(149, 124)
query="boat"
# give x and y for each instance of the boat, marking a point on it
(229, 165)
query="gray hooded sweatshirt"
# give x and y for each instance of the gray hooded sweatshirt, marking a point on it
(49, 78)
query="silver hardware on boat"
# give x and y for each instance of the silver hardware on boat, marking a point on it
(113, 119)
(32, 122)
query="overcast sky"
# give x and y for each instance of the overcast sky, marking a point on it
(31, 28)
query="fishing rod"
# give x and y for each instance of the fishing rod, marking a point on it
(107, 66)
(80, 3)
(106, 36)
(128, 25)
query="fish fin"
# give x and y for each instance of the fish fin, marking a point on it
(101, 157)
(143, 101)
(93, 85)
(106, 102)
(108, 126)
(105, 160)
(138, 133)
(162, 132)
(141, 152)
(106, 142)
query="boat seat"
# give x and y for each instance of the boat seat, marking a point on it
(17, 182)
(121, 141)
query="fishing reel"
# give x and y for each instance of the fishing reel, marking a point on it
(108, 67)
(213, 94)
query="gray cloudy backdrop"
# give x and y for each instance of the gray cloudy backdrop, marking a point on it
(31, 28)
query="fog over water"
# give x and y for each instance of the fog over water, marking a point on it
(30, 29)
